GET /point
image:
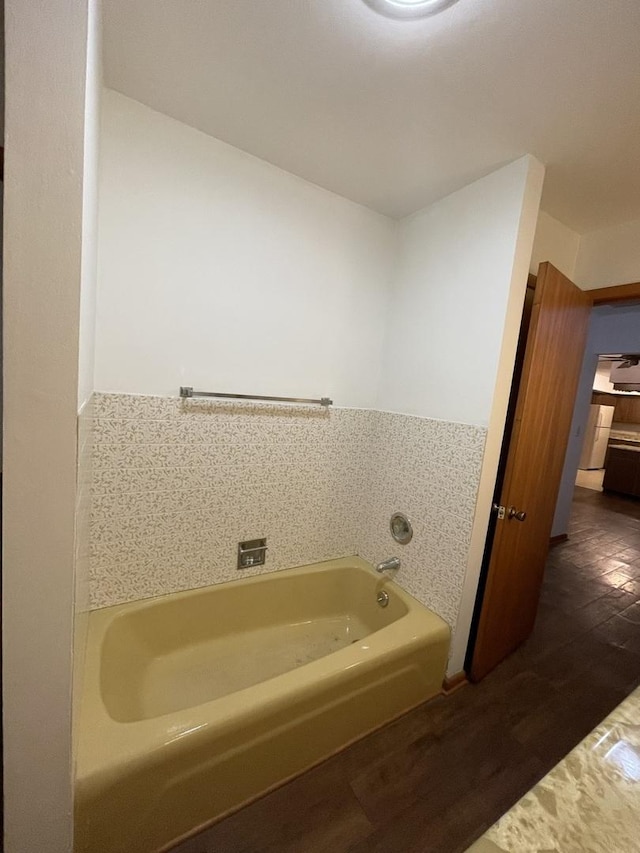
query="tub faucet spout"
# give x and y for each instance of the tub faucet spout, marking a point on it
(390, 564)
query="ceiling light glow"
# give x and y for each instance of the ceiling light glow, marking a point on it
(409, 8)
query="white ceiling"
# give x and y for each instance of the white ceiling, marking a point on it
(396, 114)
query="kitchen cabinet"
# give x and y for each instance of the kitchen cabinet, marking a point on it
(627, 406)
(622, 469)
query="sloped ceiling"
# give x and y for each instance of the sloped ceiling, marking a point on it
(395, 114)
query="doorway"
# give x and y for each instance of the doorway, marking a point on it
(612, 435)
(513, 565)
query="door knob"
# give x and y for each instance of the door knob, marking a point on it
(519, 515)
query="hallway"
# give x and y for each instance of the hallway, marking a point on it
(434, 780)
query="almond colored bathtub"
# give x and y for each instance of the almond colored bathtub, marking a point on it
(198, 702)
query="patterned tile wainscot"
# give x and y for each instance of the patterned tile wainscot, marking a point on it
(430, 470)
(83, 551)
(177, 484)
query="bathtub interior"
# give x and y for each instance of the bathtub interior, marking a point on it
(189, 649)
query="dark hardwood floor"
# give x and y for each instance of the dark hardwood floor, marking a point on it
(433, 781)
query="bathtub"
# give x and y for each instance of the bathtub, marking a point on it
(198, 702)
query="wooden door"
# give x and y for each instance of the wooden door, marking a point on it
(544, 409)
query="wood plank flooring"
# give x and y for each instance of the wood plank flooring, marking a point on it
(433, 781)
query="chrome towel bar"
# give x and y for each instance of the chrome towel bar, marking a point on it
(186, 391)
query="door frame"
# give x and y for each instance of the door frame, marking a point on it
(615, 293)
(599, 296)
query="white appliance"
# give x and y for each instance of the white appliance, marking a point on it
(596, 437)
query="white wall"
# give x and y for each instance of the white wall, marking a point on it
(93, 92)
(455, 316)
(449, 301)
(613, 328)
(556, 243)
(86, 345)
(609, 256)
(220, 271)
(45, 75)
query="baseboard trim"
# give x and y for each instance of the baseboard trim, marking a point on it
(454, 682)
(556, 540)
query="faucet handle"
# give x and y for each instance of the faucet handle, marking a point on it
(390, 564)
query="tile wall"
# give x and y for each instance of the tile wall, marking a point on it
(177, 484)
(84, 504)
(82, 601)
(430, 470)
